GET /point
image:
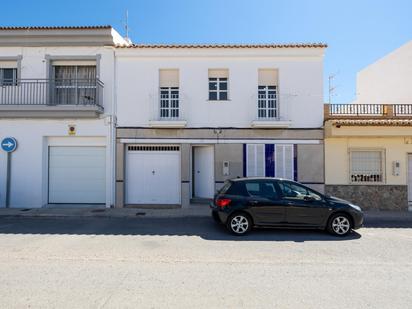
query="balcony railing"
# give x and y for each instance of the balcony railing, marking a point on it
(55, 92)
(369, 111)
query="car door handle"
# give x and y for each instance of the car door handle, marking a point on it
(254, 202)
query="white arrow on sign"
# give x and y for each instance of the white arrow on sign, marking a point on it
(8, 145)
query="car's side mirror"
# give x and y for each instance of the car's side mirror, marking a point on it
(308, 198)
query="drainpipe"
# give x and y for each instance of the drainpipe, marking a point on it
(113, 128)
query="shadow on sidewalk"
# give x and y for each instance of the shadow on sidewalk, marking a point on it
(202, 227)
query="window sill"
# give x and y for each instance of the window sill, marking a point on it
(270, 123)
(228, 100)
(167, 123)
(367, 183)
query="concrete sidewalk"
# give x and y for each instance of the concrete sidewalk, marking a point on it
(193, 211)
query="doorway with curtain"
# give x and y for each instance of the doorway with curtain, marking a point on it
(74, 85)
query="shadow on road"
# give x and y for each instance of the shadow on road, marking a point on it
(202, 227)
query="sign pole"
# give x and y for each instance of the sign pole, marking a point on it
(8, 144)
(8, 180)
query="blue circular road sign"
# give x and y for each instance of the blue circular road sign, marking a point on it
(9, 144)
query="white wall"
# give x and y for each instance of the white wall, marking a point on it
(29, 162)
(388, 80)
(34, 64)
(300, 85)
(29, 166)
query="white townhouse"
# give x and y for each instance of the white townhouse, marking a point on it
(191, 116)
(56, 100)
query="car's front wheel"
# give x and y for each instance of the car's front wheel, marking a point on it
(239, 224)
(340, 225)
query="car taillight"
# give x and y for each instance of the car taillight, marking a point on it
(223, 202)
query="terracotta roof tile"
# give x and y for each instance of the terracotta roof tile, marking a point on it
(291, 45)
(56, 27)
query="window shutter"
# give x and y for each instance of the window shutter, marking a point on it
(223, 73)
(169, 78)
(288, 161)
(284, 161)
(250, 160)
(73, 62)
(255, 160)
(8, 64)
(268, 77)
(366, 166)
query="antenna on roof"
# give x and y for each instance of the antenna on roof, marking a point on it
(126, 28)
(332, 87)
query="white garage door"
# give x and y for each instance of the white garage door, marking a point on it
(77, 175)
(152, 175)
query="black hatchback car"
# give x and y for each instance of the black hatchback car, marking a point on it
(244, 203)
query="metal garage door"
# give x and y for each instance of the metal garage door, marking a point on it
(152, 174)
(77, 175)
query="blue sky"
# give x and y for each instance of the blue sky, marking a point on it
(358, 32)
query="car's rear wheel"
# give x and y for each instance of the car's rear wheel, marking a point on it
(340, 225)
(239, 224)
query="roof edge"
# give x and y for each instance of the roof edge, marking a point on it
(240, 46)
(11, 28)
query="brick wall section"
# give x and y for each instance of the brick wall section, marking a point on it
(382, 197)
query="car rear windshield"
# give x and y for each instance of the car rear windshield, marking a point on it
(234, 188)
(225, 187)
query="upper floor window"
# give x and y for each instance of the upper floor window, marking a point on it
(267, 94)
(218, 85)
(366, 166)
(169, 93)
(74, 83)
(8, 76)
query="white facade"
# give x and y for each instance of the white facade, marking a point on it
(388, 80)
(299, 85)
(213, 104)
(30, 171)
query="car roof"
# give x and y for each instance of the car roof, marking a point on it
(257, 178)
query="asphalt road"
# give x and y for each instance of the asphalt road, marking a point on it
(194, 263)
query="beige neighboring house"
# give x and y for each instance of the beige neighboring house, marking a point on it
(368, 145)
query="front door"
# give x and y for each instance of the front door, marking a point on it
(203, 170)
(304, 207)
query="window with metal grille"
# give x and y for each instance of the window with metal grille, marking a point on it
(152, 148)
(8, 76)
(169, 102)
(366, 166)
(267, 102)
